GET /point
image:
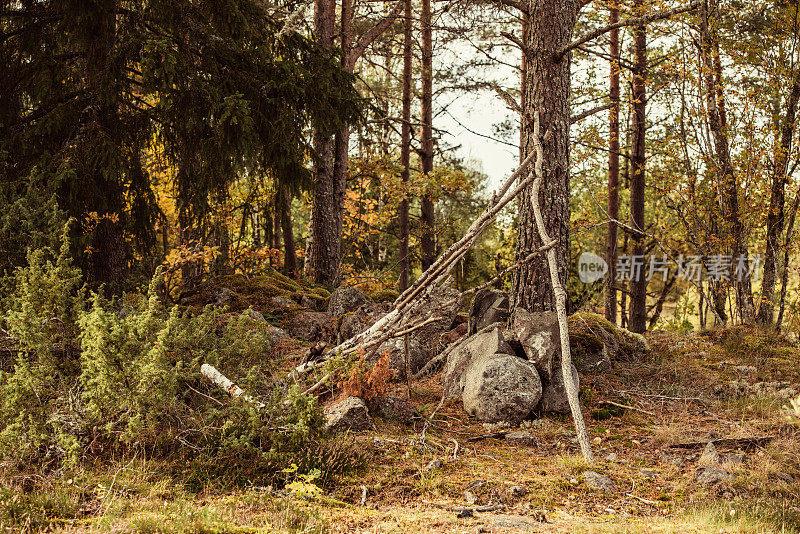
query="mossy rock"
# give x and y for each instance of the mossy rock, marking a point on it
(590, 332)
(383, 295)
(256, 291)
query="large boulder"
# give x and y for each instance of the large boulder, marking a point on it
(485, 344)
(500, 387)
(311, 326)
(345, 299)
(395, 348)
(539, 336)
(554, 394)
(348, 414)
(489, 306)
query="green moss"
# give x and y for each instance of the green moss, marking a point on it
(589, 332)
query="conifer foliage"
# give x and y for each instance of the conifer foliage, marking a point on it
(214, 88)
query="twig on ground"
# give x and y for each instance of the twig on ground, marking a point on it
(626, 407)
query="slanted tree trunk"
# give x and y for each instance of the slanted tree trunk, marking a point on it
(405, 146)
(547, 90)
(613, 170)
(638, 286)
(787, 242)
(777, 200)
(427, 220)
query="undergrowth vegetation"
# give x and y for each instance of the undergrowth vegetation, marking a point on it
(94, 378)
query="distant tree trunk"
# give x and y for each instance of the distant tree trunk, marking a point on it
(777, 200)
(405, 146)
(326, 244)
(638, 285)
(428, 237)
(729, 201)
(786, 248)
(289, 250)
(613, 170)
(547, 90)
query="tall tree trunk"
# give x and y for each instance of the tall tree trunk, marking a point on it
(547, 90)
(613, 170)
(428, 238)
(786, 249)
(638, 284)
(405, 147)
(107, 259)
(326, 243)
(777, 200)
(729, 201)
(289, 249)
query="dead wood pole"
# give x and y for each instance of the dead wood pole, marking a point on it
(560, 300)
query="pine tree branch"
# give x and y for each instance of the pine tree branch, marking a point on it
(636, 21)
(373, 33)
(516, 4)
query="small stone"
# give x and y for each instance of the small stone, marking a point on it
(786, 477)
(712, 475)
(734, 458)
(521, 438)
(598, 482)
(463, 514)
(674, 460)
(282, 302)
(710, 455)
(517, 492)
(612, 457)
(434, 464)
(597, 441)
(470, 497)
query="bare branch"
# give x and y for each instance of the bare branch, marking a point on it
(373, 33)
(589, 112)
(636, 21)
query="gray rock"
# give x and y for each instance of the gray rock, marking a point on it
(517, 492)
(444, 303)
(554, 393)
(278, 334)
(539, 336)
(489, 306)
(674, 460)
(712, 475)
(598, 482)
(312, 326)
(612, 457)
(224, 296)
(733, 458)
(254, 315)
(484, 344)
(350, 326)
(282, 302)
(786, 477)
(434, 464)
(499, 387)
(346, 299)
(710, 455)
(521, 438)
(395, 348)
(349, 414)
(393, 408)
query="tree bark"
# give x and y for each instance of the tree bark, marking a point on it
(326, 243)
(777, 201)
(405, 147)
(638, 285)
(289, 249)
(729, 201)
(613, 170)
(427, 220)
(547, 90)
(786, 248)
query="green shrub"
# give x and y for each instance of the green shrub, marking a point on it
(120, 375)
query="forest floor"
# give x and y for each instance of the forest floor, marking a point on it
(542, 488)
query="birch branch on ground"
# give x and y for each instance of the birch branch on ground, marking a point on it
(222, 381)
(560, 299)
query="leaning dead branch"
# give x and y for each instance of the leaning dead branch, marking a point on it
(560, 299)
(225, 383)
(435, 277)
